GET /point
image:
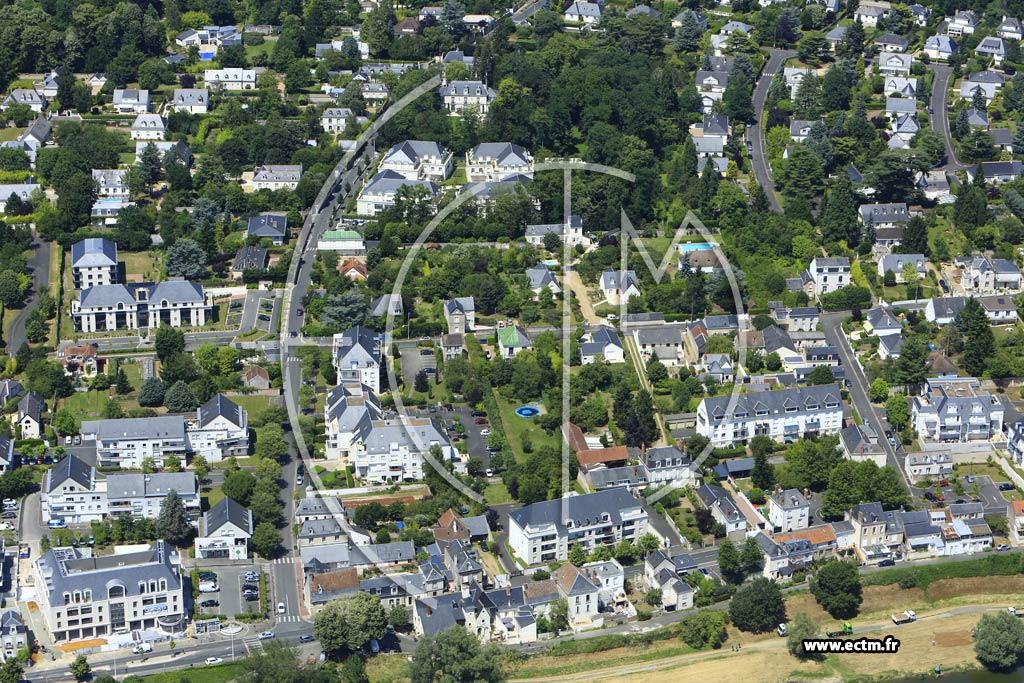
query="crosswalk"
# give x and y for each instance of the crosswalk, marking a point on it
(253, 644)
(284, 560)
(288, 618)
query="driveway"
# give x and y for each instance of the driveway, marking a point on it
(755, 133)
(938, 113)
(39, 266)
(579, 292)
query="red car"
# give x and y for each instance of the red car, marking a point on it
(481, 421)
(943, 483)
(940, 497)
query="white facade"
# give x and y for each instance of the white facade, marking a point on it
(231, 79)
(783, 415)
(829, 274)
(788, 510)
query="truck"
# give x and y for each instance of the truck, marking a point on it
(904, 617)
(1016, 611)
(844, 629)
(23, 551)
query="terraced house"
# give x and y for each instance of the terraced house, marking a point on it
(784, 415)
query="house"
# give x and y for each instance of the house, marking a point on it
(890, 42)
(880, 322)
(220, 430)
(418, 160)
(871, 12)
(784, 415)
(711, 86)
(736, 27)
(375, 93)
(984, 275)
(81, 360)
(540, 533)
(458, 96)
(794, 77)
(717, 366)
(277, 177)
(829, 274)
(580, 594)
(460, 314)
(602, 344)
(900, 86)
(877, 533)
(22, 190)
(410, 26)
(271, 225)
(224, 532)
(666, 341)
(30, 415)
(884, 215)
(699, 19)
(131, 101)
(478, 23)
(178, 303)
(217, 36)
(248, 258)
(31, 140)
(977, 118)
(94, 262)
(610, 579)
(569, 232)
(956, 409)
(788, 510)
(512, 340)
(386, 304)
(932, 466)
(943, 310)
(722, 507)
(897, 106)
(141, 496)
(29, 97)
(493, 161)
(988, 82)
(256, 377)
(619, 286)
(149, 127)
(382, 190)
(920, 13)
(935, 186)
(452, 346)
(541, 278)
(996, 172)
(357, 358)
(230, 79)
(895, 263)
(349, 413)
(661, 574)
(394, 450)
(1010, 28)
(190, 100)
(799, 130)
(13, 634)
(1015, 446)
(964, 22)
(327, 531)
(353, 269)
(1017, 517)
(582, 12)
(10, 389)
(991, 47)
(835, 37)
(73, 491)
(173, 149)
(939, 47)
(1001, 310)
(111, 183)
(335, 120)
(120, 591)
(860, 443)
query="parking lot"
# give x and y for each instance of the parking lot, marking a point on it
(987, 492)
(413, 361)
(476, 442)
(230, 580)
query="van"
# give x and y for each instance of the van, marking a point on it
(58, 524)
(143, 648)
(208, 587)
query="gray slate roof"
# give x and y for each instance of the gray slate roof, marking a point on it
(227, 511)
(94, 252)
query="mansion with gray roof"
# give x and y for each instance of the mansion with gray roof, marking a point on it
(177, 303)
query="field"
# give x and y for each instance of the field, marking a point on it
(496, 494)
(253, 403)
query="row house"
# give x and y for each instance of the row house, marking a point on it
(878, 533)
(956, 409)
(723, 507)
(784, 415)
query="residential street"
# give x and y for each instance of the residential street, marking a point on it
(938, 113)
(39, 264)
(755, 133)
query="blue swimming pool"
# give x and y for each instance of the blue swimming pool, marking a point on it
(527, 411)
(687, 247)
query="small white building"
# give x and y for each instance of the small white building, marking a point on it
(458, 96)
(230, 79)
(149, 127)
(788, 510)
(224, 532)
(619, 286)
(190, 100)
(131, 101)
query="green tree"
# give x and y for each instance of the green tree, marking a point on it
(455, 655)
(150, 165)
(687, 36)
(999, 641)
(897, 411)
(238, 486)
(398, 618)
(151, 393)
(971, 208)
(758, 608)
(421, 383)
(168, 341)
(270, 442)
(835, 89)
(737, 102)
(763, 474)
(704, 629)
(173, 524)
(751, 558)
(265, 539)
(802, 175)
(729, 562)
(836, 587)
(179, 398)
(66, 422)
(344, 625)
(879, 390)
(807, 104)
(800, 628)
(577, 555)
(186, 258)
(12, 670)
(80, 668)
(821, 375)
(915, 237)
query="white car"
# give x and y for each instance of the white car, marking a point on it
(489, 472)
(214, 660)
(266, 635)
(252, 576)
(281, 608)
(485, 432)
(10, 501)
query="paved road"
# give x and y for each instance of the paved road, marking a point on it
(39, 264)
(755, 133)
(831, 324)
(938, 113)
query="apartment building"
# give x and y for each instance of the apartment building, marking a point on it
(785, 415)
(94, 262)
(142, 495)
(788, 510)
(73, 491)
(220, 430)
(357, 357)
(126, 442)
(956, 409)
(418, 160)
(877, 533)
(394, 451)
(82, 596)
(177, 303)
(349, 414)
(224, 532)
(543, 532)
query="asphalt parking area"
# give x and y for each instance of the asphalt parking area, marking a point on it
(230, 580)
(413, 362)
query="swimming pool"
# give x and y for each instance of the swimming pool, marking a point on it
(687, 247)
(527, 411)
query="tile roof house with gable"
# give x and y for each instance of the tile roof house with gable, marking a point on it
(900, 85)
(989, 82)
(81, 360)
(880, 322)
(460, 314)
(956, 409)
(382, 189)
(996, 172)
(256, 377)
(418, 160)
(860, 443)
(570, 232)
(943, 310)
(1010, 28)
(149, 127)
(512, 340)
(878, 534)
(335, 119)
(357, 356)
(871, 12)
(991, 47)
(131, 101)
(94, 262)
(458, 96)
(788, 510)
(799, 129)
(579, 592)
(1000, 310)
(539, 533)
(667, 341)
(178, 303)
(697, 17)
(112, 183)
(10, 389)
(722, 507)
(30, 97)
(190, 100)
(711, 86)
(784, 415)
(662, 572)
(230, 79)
(73, 491)
(982, 275)
(582, 12)
(940, 47)
(603, 344)
(349, 412)
(897, 262)
(884, 215)
(248, 257)
(494, 161)
(129, 591)
(224, 532)
(177, 148)
(13, 634)
(890, 42)
(277, 177)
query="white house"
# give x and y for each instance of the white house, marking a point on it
(131, 101)
(619, 286)
(30, 415)
(349, 413)
(494, 161)
(382, 190)
(29, 97)
(190, 100)
(788, 510)
(459, 96)
(897, 262)
(570, 232)
(964, 22)
(418, 160)
(357, 356)
(829, 274)
(984, 275)
(582, 12)
(783, 415)
(956, 409)
(277, 177)
(895, 63)
(603, 344)
(224, 532)
(335, 119)
(230, 79)
(991, 47)
(220, 430)
(149, 127)
(1010, 28)
(940, 47)
(94, 262)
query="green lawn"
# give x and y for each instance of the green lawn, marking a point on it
(515, 428)
(86, 404)
(212, 497)
(204, 674)
(8, 134)
(265, 49)
(253, 403)
(382, 669)
(497, 494)
(144, 265)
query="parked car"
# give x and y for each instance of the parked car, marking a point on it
(928, 495)
(10, 501)
(944, 483)
(426, 352)
(489, 472)
(1002, 546)
(210, 603)
(78, 439)
(478, 413)
(58, 524)
(887, 563)
(67, 440)
(251, 597)
(251, 576)
(9, 515)
(307, 638)
(1006, 486)
(481, 420)
(485, 432)
(374, 646)
(430, 370)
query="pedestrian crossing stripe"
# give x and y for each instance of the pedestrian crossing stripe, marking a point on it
(289, 618)
(285, 560)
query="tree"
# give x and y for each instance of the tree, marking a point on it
(11, 293)
(345, 625)
(758, 608)
(819, 143)
(238, 486)
(704, 629)
(454, 655)
(151, 393)
(121, 383)
(852, 44)
(800, 628)
(80, 668)
(879, 390)
(168, 341)
(66, 422)
(398, 618)
(577, 555)
(999, 641)
(971, 208)
(150, 165)
(813, 48)
(763, 474)
(12, 671)
(752, 558)
(179, 398)
(835, 89)
(687, 37)
(821, 375)
(836, 587)
(421, 383)
(187, 259)
(897, 410)
(977, 145)
(802, 174)
(729, 562)
(915, 237)
(173, 524)
(807, 104)
(978, 338)
(265, 539)
(737, 102)
(270, 442)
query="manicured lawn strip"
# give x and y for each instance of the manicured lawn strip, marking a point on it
(219, 673)
(993, 565)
